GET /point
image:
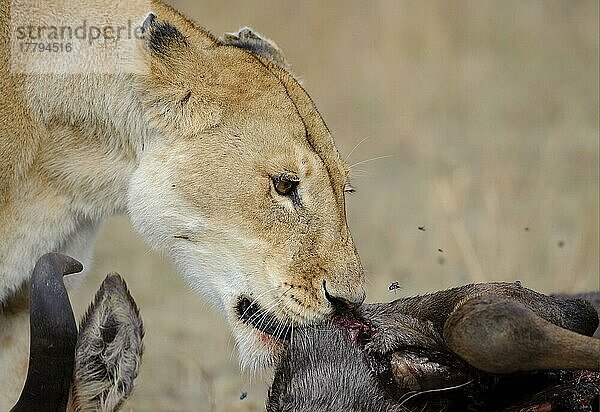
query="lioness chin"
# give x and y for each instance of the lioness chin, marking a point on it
(211, 146)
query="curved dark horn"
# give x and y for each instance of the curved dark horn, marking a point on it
(53, 336)
(500, 335)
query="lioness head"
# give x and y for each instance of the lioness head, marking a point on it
(242, 184)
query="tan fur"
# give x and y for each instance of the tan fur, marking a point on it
(14, 345)
(186, 141)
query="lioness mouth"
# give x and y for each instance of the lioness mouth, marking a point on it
(252, 314)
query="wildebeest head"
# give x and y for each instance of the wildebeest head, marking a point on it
(486, 347)
(89, 370)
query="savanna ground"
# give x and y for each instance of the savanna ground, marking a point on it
(489, 111)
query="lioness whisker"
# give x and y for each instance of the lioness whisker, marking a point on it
(249, 307)
(356, 147)
(255, 301)
(403, 400)
(370, 160)
(265, 311)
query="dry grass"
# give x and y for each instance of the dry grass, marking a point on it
(490, 110)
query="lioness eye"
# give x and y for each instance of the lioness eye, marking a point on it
(348, 188)
(284, 185)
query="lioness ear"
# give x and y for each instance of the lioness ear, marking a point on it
(171, 87)
(109, 349)
(162, 37)
(252, 41)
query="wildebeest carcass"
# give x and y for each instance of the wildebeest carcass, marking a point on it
(482, 347)
(92, 369)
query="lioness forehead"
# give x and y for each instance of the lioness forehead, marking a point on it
(249, 91)
(265, 88)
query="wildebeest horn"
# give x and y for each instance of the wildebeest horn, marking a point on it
(501, 335)
(53, 336)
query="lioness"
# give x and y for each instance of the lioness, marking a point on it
(211, 146)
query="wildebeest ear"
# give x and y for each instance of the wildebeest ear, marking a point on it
(109, 349)
(248, 39)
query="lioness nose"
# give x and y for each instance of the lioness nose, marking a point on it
(343, 303)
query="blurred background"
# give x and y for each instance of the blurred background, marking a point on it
(488, 112)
